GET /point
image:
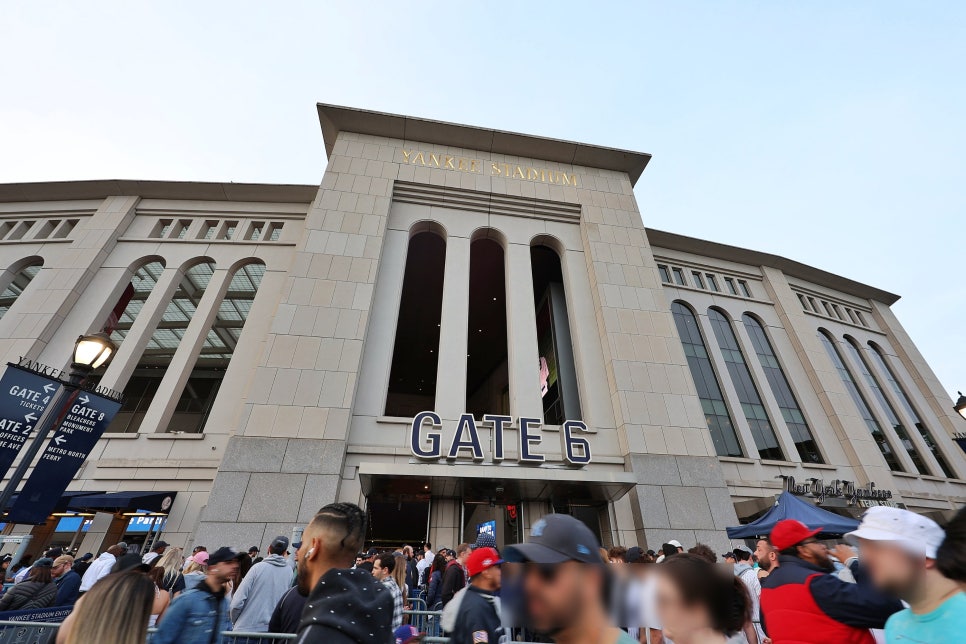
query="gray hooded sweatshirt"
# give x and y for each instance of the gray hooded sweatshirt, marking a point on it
(256, 596)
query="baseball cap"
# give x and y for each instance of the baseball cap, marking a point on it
(913, 532)
(634, 554)
(405, 634)
(371, 552)
(122, 544)
(557, 538)
(675, 543)
(789, 532)
(63, 559)
(481, 559)
(87, 556)
(221, 555)
(280, 541)
(44, 562)
(161, 544)
(200, 558)
(729, 555)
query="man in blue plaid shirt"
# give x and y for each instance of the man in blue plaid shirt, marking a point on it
(382, 567)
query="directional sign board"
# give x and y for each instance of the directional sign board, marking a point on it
(70, 444)
(24, 396)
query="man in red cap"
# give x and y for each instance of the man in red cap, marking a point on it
(802, 602)
(473, 615)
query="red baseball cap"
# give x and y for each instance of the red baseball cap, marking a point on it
(789, 532)
(481, 559)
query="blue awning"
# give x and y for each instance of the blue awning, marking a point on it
(789, 506)
(124, 501)
(65, 499)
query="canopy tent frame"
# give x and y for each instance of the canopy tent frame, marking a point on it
(789, 506)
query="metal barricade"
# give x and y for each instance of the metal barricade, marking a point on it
(418, 603)
(425, 621)
(236, 637)
(26, 632)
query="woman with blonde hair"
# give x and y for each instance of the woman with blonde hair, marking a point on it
(195, 573)
(161, 596)
(116, 610)
(399, 575)
(171, 563)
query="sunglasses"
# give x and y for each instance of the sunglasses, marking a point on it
(546, 572)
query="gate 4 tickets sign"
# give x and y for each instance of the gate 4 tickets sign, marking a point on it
(426, 438)
(24, 397)
(69, 446)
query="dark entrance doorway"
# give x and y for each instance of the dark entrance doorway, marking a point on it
(394, 523)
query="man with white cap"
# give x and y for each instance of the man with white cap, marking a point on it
(898, 547)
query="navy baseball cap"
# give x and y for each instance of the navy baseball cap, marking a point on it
(554, 539)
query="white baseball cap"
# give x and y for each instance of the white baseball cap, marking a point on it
(913, 532)
(675, 543)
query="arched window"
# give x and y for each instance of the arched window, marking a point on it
(885, 406)
(487, 368)
(558, 373)
(751, 405)
(143, 384)
(716, 414)
(201, 388)
(782, 390)
(888, 453)
(415, 355)
(142, 283)
(19, 283)
(879, 359)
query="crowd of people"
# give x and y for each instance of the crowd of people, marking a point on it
(898, 578)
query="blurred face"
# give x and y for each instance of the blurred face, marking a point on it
(815, 552)
(378, 571)
(59, 569)
(224, 571)
(678, 619)
(765, 554)
(490, 578)
(557, 594)
(358, 560)
(892, 569)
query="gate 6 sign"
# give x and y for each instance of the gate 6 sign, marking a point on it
(426, 439)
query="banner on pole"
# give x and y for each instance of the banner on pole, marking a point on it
(24, 397)
(70, 444)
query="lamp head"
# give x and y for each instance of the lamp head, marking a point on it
(92, 351)
(960, 405)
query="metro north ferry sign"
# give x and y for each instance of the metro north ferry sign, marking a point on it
(426, 439)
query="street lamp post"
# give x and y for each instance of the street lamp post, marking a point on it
(90, 352)
(960, 405)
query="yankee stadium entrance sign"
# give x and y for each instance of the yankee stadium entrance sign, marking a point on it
(426, 439)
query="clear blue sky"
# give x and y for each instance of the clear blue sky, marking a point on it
(831, 133)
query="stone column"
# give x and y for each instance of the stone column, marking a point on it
(172, 384)
(585, 333)
(727, 386)
(380, 339)
(34, 319)
(765, 393)
(129, 352)
(522, 334)
(451, 372)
